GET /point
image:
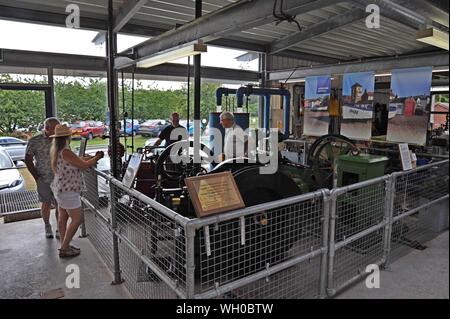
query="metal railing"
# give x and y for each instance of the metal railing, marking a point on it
(419, 208)
(273, 250)
(358, 220)
(309, 246)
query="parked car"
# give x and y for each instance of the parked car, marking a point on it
(88, 129)
(152, 127)
(132, 127)
(14, 146)
(10, 178)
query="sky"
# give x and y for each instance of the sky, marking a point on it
(411, 82)
(311, 84)
(34, 37)
(366, 79)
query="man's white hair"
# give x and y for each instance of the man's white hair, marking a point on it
(227, 116)
(50, 121)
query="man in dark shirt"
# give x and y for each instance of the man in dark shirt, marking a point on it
(165, 133)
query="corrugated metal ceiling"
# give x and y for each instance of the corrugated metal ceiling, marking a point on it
(347, 42)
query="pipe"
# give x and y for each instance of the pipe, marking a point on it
(267, 92)
(223, 91)
(266, 112)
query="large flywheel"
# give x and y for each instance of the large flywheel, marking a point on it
(323, 154)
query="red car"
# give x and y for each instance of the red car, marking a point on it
(88, 129)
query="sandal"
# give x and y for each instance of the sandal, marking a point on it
(74, 248)
(70, 252)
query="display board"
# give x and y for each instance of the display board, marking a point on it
(357, 105)
(408, 107)
(317, 99)
(405, 156)
(214, 193)
(439, 110)
(132, 169)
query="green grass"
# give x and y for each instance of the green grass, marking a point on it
(139, 141)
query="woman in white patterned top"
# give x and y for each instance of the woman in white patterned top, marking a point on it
(67, 185)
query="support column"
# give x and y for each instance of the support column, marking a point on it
(262, 83)
(113, 135)
(112, 91)
(197, 71)
(51, 112)
(197, 94)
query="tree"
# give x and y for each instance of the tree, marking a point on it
(86, 99)
(20, 109)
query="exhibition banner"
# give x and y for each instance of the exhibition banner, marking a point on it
(317, 99)
(357, 105)
(409, 105)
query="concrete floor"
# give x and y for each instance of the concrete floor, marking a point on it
(418, 275)
(29, 266)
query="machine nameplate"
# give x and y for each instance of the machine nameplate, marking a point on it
(214, 193)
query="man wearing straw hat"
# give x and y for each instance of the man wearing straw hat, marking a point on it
(37, 160)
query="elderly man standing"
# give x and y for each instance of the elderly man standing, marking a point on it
(235, 141)
(37, 159)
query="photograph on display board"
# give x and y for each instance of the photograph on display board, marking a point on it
(439, 106)
(357, 105)
(408, 107)
(317, 100)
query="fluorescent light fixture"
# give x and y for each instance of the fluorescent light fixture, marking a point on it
(433, 37)
(439, 89)
(437, 69)
(292, 81)
(299, 80)
(382, 74)
(172, 54)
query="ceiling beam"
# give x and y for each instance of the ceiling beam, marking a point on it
(428, 9)
(236, 17)
(398, 11)
(316, 30)
(437, 59)
(99, 24)
(127, 12)
(307, 56)
(94, 22)
(96, 66)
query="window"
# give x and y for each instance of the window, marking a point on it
(5, 161)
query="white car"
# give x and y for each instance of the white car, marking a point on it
(10, 178)
(15, 147)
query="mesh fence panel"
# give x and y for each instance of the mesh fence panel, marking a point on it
(412, 190)
(301, 281)
(415, 188)
(97, 215)
(147, 232)
(139, 279)
(357, 211)
(155, 235)
(271, 237)
(100, 235)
